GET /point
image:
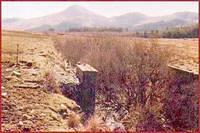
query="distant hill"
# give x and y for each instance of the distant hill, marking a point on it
(9, 21)
(129, 20)
(78, 17)
(161, 25)
(168, 21)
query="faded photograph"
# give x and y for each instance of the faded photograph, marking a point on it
(100, 66)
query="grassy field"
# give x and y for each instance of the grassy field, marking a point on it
(184, 48)
(184, 56)
(26, 41)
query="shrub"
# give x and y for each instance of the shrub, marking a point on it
(49, 82)
(181, 104)
(94, 124)
(74, 120)
(148, 118)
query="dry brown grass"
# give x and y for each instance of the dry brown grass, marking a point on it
(148, 118)
(74, 120)
(94, 124)
(26, 41)
(49, 82)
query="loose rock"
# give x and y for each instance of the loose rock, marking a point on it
(4, 94)
(18, 74)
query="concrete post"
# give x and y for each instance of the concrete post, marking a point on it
(87, 87)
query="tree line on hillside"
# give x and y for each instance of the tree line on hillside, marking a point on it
(178, 32)
(96, 29)
(182, 32)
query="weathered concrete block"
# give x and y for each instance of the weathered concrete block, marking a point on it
(87, 87)
(183, 74)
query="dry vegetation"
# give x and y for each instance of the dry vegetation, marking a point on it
(133, 74)
(49, 82)
(74, 120)
(27, 104)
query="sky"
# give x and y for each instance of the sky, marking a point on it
(38, 9)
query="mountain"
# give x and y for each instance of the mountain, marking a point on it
(74, 16)
(161, 25)
(168, 21)
(10, 21)
(129, 19)
(78, 16)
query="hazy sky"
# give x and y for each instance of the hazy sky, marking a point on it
(38, 9)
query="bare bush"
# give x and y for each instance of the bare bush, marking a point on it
(74, 120)
(94, 124)
(148, 118)
(49, 82)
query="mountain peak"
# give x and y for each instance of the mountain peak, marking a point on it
(189, 16)
(185, 12)
(76, 8)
